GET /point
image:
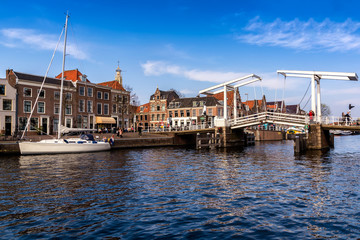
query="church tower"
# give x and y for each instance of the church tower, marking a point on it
(118, 76)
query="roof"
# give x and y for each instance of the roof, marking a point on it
(188, 102)
(39, 79)
(113, 84)
(292, 109)
(166, 94)
(230, 97)
(73, 75)
(146, 108)
(251, 103)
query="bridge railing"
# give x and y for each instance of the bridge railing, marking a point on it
(268, 117)
(336, 120)
(179, 128)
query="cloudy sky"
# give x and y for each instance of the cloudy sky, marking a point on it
(191, 45)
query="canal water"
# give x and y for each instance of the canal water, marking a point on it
(260, 192)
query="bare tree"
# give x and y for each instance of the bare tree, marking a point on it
(178, 93)
(325, 110)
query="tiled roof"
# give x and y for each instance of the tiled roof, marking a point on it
(113, 84)
(166, 94)
(229, 95)
(146, 108)
(251, 103)
(73, 75)
(188, 102)
(39, 79)
(291, 109)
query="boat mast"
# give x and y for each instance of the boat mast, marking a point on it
(62, 77)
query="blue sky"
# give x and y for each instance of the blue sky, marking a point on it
(191, 45)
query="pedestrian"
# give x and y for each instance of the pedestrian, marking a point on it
(311, 116)
(139, 130)
(121, 132)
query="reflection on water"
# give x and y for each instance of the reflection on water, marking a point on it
(258, 192)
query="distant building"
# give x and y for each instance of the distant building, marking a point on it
(276, 106)
(192, 111)
(159, 102)
(7, 108)
(230, 102)
(142, 115)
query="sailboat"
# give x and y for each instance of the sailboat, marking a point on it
(85, 143)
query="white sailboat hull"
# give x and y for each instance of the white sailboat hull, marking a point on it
(61, 146)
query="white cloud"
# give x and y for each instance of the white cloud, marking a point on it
(296, 34)
(20, 38)
(157, 68)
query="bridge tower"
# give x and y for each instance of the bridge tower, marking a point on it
(316, 76)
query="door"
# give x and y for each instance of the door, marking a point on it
(44, 124)
(7, 125)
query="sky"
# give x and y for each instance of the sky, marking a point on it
(191, 45)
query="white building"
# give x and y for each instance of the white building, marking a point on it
(7, 108)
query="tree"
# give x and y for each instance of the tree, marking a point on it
(178, 93)
(325, 110)
(134, 100)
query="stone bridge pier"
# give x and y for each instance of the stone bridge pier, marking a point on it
(319, 138)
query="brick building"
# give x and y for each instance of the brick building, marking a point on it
(7, 108)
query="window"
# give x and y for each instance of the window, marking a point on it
(119, 98)
(7, 104)
(106, 96)
(68, 122)
(181, 113)
(170, 113)
(194, 103)
(163, 117)
(114, 108)
(68, 96)
(68, 109)
(22, 123)
(200, 112)
(81, 105)
(125, 99)
(27, 92)
(210, 111)
(158, 108)
(2, 89)
(152, 108)
(85, 122)
(56, 108)
(119, 109)
(141, 109)
(188, 113)
(82, 91)
(41, 107)
(56, 95)
(158, 117)
(145, 117)
(194, 113)
(34, 123)
(106, 109)
(141, 117)
(89, 106)
(152, 117)
(99, 108)
(27, 106)
(42, 93)
(90, 92)
(99, 95)
(163, 107)
(176, 113)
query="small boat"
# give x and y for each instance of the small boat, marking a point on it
(293, 130)
(85, 143)
(341, 132)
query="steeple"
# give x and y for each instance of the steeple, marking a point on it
(118, 76)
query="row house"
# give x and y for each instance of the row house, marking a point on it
(45, 116)
(230, 103)
(158, 104)
(192, 111)
(142, 115)
(276, 106)
(104, 104)
(7, 108)
(85, 104)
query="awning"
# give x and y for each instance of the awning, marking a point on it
(105, 120)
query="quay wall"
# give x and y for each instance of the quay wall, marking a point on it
(266, 135)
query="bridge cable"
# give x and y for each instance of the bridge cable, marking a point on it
(307, 102)
(282, 102)
(276, 90)
(305, 93)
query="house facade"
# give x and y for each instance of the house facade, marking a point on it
(45, 117)
(158, 104)
(142, 115)
(7, 108)
(184, 112)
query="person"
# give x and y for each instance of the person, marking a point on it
(120, 132)
(139, 129)
(347, 117)
(311, 116)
